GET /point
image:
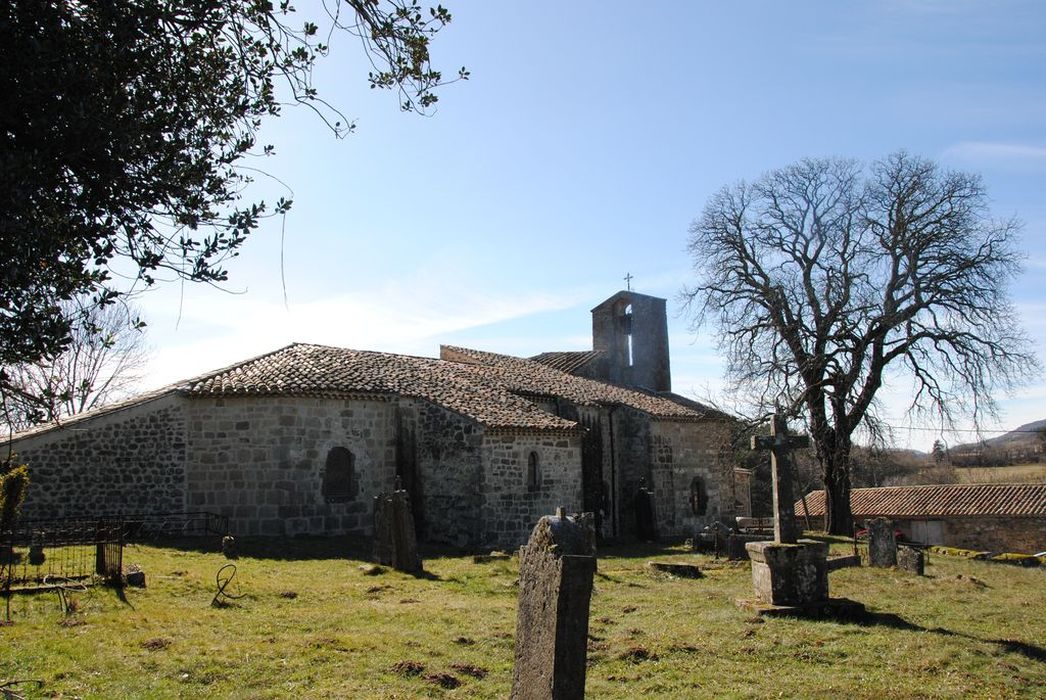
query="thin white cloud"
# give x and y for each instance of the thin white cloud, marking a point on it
(988, 151)
(403, 316)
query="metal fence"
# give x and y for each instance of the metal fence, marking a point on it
(39, 554)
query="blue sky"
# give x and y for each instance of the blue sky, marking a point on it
(589, 137)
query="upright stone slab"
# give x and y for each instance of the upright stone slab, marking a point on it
(556, 567)
(395, 542)
(911, 559)
(882, 542)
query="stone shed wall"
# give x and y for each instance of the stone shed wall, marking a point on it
(681, 453)
(125, 461)
(261, 460)
(511, 508)
(999, 534)
(1024, 535)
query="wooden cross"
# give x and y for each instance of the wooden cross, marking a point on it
(780, 444)
(628, 281)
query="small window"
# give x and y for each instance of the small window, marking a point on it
(533, 472)
(698, 496)
(339, 476)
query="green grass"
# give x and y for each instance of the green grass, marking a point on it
(1016, 474)
(313, 623)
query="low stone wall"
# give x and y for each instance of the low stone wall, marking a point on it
(1022, 535)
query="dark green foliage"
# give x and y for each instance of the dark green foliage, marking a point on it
(122, 126)
(14, 483)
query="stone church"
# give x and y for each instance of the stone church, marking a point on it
(300, 440)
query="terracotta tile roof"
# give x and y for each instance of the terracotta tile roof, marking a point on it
(323, 371)
(567, 361)
(946, 500)
(530, 377)
(485, 387)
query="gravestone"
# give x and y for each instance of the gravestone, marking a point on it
(395, 542)
(911, 559)
(787, 571)
(556, 567)
(882, 542)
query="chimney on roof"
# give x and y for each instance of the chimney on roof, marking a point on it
(631, 330)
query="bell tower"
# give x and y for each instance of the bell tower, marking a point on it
(631, 331)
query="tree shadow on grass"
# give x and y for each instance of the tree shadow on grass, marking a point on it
(1013, 646)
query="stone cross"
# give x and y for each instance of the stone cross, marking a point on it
(780, 444)
(628, 281)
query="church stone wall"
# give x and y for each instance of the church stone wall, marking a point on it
(450, 473)
(680, 453)
(260, 461)
(125, 461)
(511, 507)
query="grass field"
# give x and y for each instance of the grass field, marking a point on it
(1017, 474)
(313, 623)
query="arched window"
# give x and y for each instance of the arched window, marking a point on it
(339, 476)
(698, 496)
(533, 472)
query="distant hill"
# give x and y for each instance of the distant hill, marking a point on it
(1029, 433)
(1022, 444)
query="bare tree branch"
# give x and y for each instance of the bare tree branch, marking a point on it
(825, 280)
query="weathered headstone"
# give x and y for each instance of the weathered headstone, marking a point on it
(911, 559)
(395, 542)
(556, 567)
(787, 571)
(882, 542)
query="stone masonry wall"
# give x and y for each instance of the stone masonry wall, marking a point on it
(260, 461)
(631, 454)
(450, 470)
(681, 452)
(125, 461)
(1024, 535)
(510, 510)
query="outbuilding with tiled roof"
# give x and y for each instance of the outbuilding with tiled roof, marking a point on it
(993, 517)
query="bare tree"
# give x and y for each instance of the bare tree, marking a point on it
(825, 280)
(101, 363)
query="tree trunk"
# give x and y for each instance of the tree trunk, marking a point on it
(838, 516)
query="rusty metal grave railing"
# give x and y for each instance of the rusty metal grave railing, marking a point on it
(38, 555)
(44, 554)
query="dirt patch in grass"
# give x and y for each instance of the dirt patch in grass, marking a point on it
(470, 670)
(444, 680)
(156, 644)
(408, 668)
(637, 654)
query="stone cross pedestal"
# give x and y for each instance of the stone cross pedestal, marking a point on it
(556, 567)
(787, 571)
(882, 542)
(395, 542)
